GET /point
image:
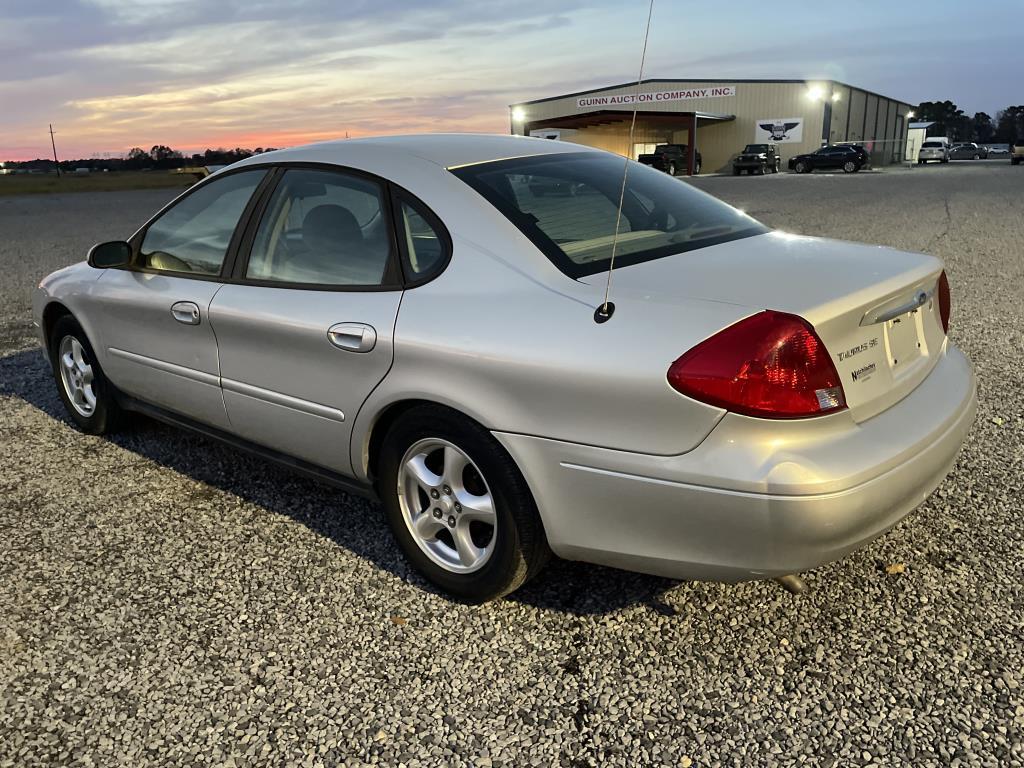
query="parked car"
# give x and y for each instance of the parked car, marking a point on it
(671, 158)
(762, 158)
(933, 150)
(1017, 152)
(831, 156)
(998, 150)
(967, 151)
(404, 318)
(865, 156)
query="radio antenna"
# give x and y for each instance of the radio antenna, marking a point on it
(604, 312)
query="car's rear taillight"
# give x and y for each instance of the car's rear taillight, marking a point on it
(771, 365)
(945, 301)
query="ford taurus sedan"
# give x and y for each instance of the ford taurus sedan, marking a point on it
(410, 318)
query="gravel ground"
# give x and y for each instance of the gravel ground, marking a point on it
(167, 601)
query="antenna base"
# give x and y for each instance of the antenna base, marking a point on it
(604, 312)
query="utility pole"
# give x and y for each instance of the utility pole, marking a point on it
(53, 143)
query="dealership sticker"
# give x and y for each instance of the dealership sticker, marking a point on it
(863, 373)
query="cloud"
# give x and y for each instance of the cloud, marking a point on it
(111, 74)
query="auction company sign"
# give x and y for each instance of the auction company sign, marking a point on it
(659, 97)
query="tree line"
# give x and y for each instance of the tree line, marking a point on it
(160, 157)
(981, 128)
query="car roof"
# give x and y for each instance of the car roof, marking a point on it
(448, 150)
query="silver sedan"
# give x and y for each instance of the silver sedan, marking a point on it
(418, 319)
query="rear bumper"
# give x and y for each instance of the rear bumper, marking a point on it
(756, 498)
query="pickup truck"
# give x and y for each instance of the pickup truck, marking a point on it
(671, 158)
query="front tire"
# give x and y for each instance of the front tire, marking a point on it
(850, 167)
(87, 395)
(458, 505)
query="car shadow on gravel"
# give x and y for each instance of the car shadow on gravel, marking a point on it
(568, 587)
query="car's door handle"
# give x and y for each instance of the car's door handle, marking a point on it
(186, 312)
(355, 337)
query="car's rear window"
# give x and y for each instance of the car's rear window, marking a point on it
(932, 144)
(566, 205)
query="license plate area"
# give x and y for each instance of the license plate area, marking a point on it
(904, 342)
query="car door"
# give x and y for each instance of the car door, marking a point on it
(835, 157)
(305, 333)
(153, 318)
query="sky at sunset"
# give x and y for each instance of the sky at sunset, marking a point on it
(191, 74)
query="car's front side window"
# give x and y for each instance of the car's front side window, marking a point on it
(325, 228)
(193, 236)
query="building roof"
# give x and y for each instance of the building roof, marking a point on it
(921, 125)
(656, 80)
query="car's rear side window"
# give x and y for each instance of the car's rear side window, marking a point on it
(567, 205)
(324, 228)
(423, 240)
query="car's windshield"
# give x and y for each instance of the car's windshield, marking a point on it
(566, 204)
(756, 148)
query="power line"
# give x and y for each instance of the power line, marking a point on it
(53, 144)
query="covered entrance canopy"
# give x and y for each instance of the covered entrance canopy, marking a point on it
(609, 129)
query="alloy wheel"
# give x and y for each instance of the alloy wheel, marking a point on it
(77, 376)
(447, 505)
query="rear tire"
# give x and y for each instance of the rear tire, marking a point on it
(87, 395)
(801, 167)
(850, 167)
(671, 169)
(439, 474)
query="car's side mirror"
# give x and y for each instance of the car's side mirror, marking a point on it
(116, 253)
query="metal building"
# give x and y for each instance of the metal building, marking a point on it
(724, 115)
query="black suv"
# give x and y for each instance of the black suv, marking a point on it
(850, 158)
(757, 157)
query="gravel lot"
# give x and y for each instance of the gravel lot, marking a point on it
(167, 601)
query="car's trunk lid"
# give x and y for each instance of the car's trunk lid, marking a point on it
(845, 290)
